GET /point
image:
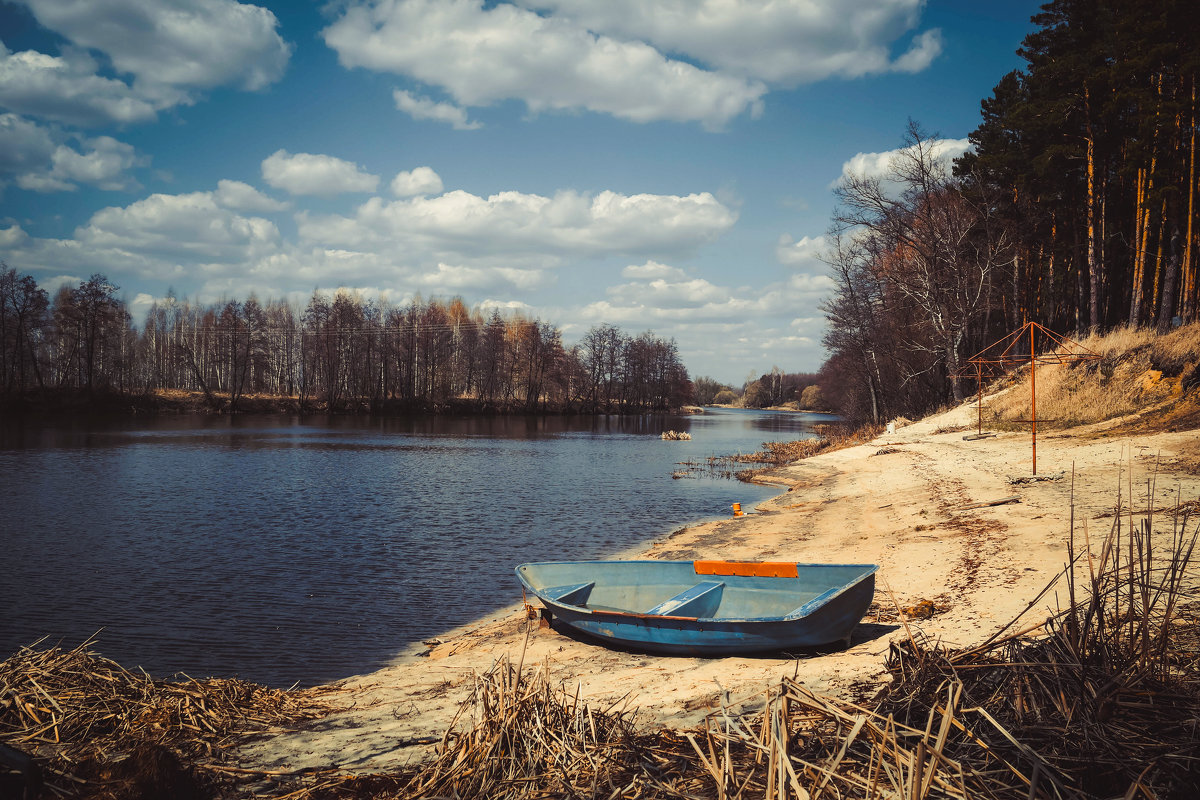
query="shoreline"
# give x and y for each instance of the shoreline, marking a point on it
(902, 501)
(73, 403)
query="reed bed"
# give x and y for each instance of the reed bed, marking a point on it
(777, 454)
(97, 729)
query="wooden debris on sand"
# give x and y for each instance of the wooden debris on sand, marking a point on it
(1016, 498)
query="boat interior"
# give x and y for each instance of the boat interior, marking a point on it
(704, 590)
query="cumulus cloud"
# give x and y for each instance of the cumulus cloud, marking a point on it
(880, 165)
(424, 108)
(45, 160)
(12, 236)
(67, 89)
(420, 181)
(661, 293)
(717, 322)
(168, 45)
(447, 279)
(806, 252)
(454, 243)
(925, 48)
(810, 284)
(307, 173)
(652, 270)
(24, 145)
(240, 196)
(515, 223)
(183, 228)
(168, 48)
(481, 56)
(783, 42)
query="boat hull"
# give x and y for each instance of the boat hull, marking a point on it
(698, 609)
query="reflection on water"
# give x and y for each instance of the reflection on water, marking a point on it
(284, 550)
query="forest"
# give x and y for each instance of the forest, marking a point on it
(1075, 208)
(339, 353)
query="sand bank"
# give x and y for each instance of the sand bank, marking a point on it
(903, 501)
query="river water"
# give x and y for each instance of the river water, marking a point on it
(285, 550)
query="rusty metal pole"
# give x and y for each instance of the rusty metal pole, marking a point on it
(1033, 394)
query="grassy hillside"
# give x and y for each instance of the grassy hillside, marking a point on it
(1141, 381)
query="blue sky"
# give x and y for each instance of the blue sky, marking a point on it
(658, 165)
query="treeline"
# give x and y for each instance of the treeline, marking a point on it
(343, 352)
(774, 388)
(1075, 208)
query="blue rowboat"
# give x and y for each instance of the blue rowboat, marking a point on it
(703, 608)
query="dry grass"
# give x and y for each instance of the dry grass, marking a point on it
(99, 730)
(778, 454)
(832, 437)
(1137, 371)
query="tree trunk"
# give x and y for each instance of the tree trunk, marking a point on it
(1167, 308)
(1189, 265)
(1092, 254)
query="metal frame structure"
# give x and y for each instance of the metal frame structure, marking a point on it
(1009, 352)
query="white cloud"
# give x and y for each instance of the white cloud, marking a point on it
(652, 270)
(806, 283)
(447, 279)
(504, 305)
(239, 196)
(925, 48)
(481, 56)
(424, 108)
(43, 160)
(306, 173)
(806, 252)
(185, 228)
(880, 165)
(662, 294)
(169, 45)
(170, 49)
(459, 224)
(783, 42)
(456, 243)
(754, 325)
(104, 165)
(24, 145)
(12, 236)
(420, 181)
(66, 89)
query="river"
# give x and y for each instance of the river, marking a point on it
(286, 550)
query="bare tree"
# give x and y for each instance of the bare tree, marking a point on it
(928, 242)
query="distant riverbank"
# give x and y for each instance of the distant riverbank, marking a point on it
(66, 402)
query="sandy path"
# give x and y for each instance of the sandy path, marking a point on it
(897, 501)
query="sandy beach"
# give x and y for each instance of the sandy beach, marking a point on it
(909, 501)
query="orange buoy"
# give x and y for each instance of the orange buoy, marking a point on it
(737, 509)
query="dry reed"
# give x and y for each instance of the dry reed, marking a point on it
(777, 454)
(100, 730)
